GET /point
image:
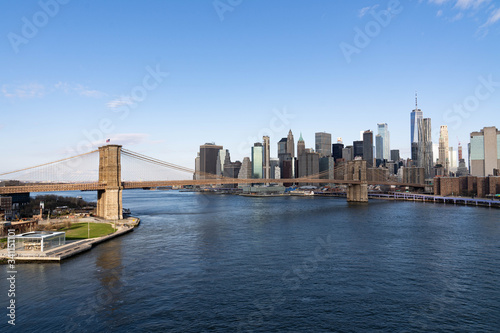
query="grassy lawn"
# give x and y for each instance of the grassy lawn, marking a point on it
(79, 230)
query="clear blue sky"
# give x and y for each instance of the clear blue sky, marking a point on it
(87, 64)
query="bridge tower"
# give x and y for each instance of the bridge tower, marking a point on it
(356, 170)
(109, 200)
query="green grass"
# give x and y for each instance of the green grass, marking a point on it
(80, 231)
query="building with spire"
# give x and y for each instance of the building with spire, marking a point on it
(416, 117)
(301, 146)
(290, 144)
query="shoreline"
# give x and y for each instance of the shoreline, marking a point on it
(70, 249)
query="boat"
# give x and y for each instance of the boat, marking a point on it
(301, 193)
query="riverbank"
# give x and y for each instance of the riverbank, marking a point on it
(71, 248)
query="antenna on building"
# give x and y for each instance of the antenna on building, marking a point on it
(416, 101)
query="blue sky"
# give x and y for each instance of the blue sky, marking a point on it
(163, 77)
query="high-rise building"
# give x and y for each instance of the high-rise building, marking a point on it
(395, 155)
(257, 159)
(282, 146)
(383, 131)
(337, 150)
(209, 154)
(245, 170)
(357, 149)
(425, 155)
(308, 163)
(415, 117)
(379, 147)
(323, 143)
(444, 149)
(290, 144)
(301, 146)
(221, 157)
(453, 160)
(267, 157)
(275, 165)
(347, 153)
(460, 155)
(368, 148)
(326, 167)
(196, 175)
(484, 152)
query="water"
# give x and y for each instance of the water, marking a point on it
(209, 263)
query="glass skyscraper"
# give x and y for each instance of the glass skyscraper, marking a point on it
(383, 131)
(257, 159)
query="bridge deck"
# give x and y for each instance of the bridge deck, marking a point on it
(131, 185)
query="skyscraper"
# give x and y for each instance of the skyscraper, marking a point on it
(209, 154)
(416, 117)
(337, 150)
(257, 159)
(301, 146)
(282, 146)
(379, 147)
(357, 149)
(425, 156)
(383, 131)
(484, 151)
(444, 155)
(368, 148)
(267, 157)
(290, 145)
(323, 144)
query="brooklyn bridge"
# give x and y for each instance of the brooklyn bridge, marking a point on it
(111, 169)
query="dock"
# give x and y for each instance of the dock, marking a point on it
(58, 254)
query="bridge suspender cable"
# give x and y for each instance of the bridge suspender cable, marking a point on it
(37, 166)
(155, 161)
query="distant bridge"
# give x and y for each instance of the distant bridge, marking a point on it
(110, 183)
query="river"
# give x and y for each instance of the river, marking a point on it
(223, 263)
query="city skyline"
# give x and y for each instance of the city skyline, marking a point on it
(207, 79)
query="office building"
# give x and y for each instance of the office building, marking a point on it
(379, 147)
(415, 117)
(425, 154)
(301, 147)
(357, 149)
(326, 167)
(368, 148)
(444, 149)
(323, 144)
(383, 131)
(395, 155)
(290, 144)
(266, 157)
(347, 153)
(257, 159)
(282, 146)
(209, 154)
(337, 150)
(484, 154)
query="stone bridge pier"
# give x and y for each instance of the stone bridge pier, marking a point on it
(356, 170)
(109, 200)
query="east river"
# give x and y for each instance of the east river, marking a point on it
(222, 263)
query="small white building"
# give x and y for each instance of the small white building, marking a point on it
(39, 240)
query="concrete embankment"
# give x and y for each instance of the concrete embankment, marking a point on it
(70, 249)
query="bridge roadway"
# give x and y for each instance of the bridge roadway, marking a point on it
(143, 184)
